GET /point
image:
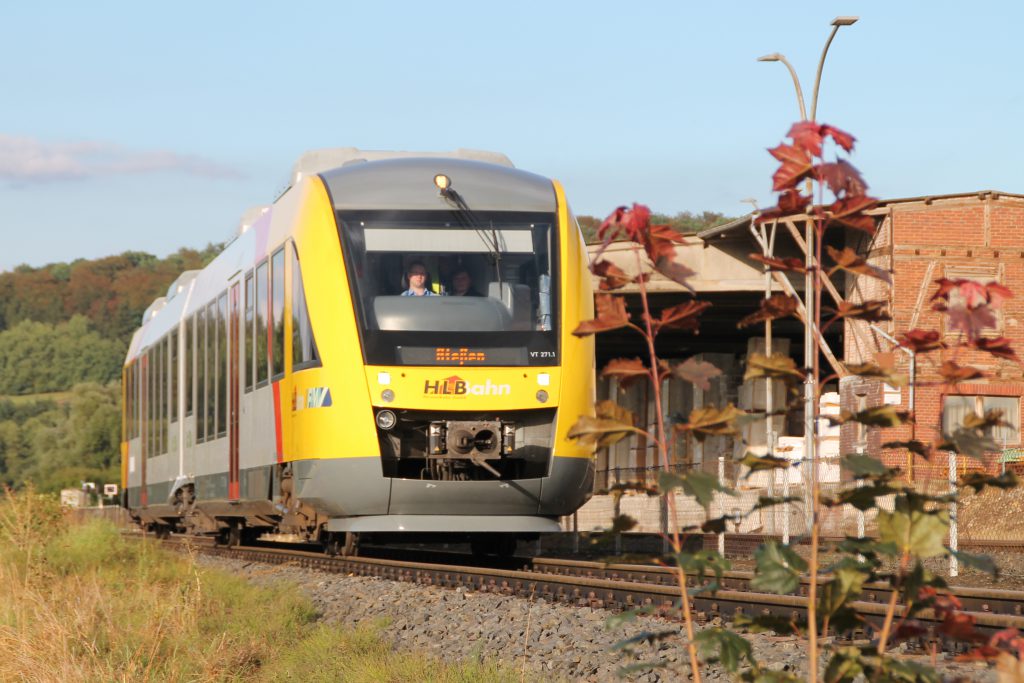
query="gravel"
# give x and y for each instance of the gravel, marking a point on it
(552, 641)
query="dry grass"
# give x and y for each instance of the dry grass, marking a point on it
(79, 603)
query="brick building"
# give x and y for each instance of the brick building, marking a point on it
(977, 236)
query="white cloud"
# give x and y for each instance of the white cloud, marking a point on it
(25, 160)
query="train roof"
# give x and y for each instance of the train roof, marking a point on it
(321, 160)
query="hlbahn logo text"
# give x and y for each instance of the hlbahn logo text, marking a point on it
(456, 386)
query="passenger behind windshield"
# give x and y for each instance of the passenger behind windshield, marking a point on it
(416, 274)
(462, 284)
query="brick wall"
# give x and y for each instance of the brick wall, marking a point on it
(976, 236)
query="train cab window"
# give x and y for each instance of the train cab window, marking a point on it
(277, 314)
(189, 341)
(304, 351)
(492, 275)
(247, 367)
(262, 309)
(201, 339)
(211, 371)
(222, 365)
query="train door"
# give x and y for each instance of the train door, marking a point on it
(233, 399)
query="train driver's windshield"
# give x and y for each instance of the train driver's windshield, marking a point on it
(486, 284)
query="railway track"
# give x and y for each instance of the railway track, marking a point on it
(620, 586)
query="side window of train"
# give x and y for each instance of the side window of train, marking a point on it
(174, 374)
(211, 370)
(165, 386)
(262, 309)
(304, 351)
(201, 375)
(222, 365)
(160, 402)
(190, 330)
(277, 314)
(248, 369)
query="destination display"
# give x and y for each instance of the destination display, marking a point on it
(461, 355)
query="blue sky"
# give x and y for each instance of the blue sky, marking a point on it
(130, 126)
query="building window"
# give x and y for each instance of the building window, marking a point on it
(956, 408)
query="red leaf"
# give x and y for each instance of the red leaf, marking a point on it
(997, 347)
(628, 370)
(953, 373)
(629, 221)
(789, 264)
(871, 311)
(697, 372)
(796, 165)
(777, 306)
(807, 136)
(997, 293)
(790, 202)
(612, 277)
(849, 212)
(974, 293)
(971, 321)
(841, 138)
(675, 271)
(919, 341)
(849, 260)
(960, 626)
(659, 241)
(842, 178)
(945, 287)
(682, 316)
(611, 315)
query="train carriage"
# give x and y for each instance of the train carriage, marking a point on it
(292, 390)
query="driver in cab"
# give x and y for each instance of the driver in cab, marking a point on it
(417, 275)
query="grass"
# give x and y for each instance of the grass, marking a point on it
(80, 603)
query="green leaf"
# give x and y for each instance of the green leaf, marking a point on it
(870, 548)
(916, 532)
(600, 432)
(699, 485)
(622, 618)
(979, 480)
(717, 644)
(779, 625)
(778, 569)
(622, 523)
(878, 416)
(649, 637)
(970, 442)
(848, 577)
(864, 466)
(981, 562)
(701, 562)
(862, 497)
(776, 366)
(758, 463)
(770, 501)
(845, 665)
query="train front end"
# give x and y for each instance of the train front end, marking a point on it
(457, 402)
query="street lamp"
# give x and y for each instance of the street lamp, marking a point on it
(810, 344)
(837, 23)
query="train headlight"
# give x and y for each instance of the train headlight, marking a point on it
(387, 396)
(442, 182)
(542, 396)
(386, 419)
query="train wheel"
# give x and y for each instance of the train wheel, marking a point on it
(333, 545)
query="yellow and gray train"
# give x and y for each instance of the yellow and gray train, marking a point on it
(292, 390)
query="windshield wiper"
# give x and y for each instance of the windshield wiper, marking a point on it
(468, 219)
